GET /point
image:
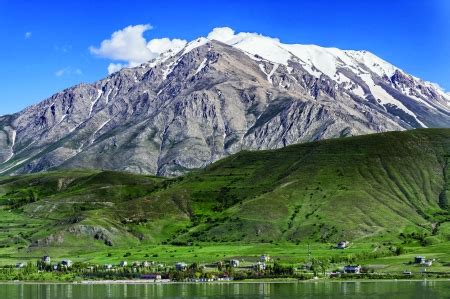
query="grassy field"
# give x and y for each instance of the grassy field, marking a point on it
(378, 191)
(248, 254)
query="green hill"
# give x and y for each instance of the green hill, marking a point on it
(390, 187)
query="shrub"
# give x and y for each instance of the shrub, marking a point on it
(432, 240)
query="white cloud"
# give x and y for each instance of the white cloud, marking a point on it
(221, 34)
(161, 45)
(127, 44)
(115, 67)
(228, 36)
(28, 34)
(68, 71)
(130, 46)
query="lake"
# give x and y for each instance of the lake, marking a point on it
(356, 289)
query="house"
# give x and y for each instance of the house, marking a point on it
(20, 265)
(259, 266)
(66, 263)
(352, 269)
(123, 264)
(145, 264)
(408, 273)
(264, 258)
(136, 264)
(419, 260)
(342, 245)
(427, 263)
(151, 276)
(107, 266)
(234, 263)
(46, 260)
(181, 266)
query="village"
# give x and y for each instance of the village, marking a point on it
(232, 269)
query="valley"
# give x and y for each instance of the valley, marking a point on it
(380, 192)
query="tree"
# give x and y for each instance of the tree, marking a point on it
(324, 264)
(399, 250)
(315, 265)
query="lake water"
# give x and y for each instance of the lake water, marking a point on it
(358, 289)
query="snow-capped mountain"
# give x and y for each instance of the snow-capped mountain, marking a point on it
(214, 97)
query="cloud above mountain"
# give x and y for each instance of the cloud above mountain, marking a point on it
(229, 36)
(68, 71)
(130, 48)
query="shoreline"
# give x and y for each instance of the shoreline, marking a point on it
(143, 282)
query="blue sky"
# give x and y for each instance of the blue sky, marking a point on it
(46, 44)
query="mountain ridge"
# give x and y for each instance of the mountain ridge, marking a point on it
(187, 109)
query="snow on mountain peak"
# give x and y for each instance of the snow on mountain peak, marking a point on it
(373, 62)
(194, 44)
(326, 60)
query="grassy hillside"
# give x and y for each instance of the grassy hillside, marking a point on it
(376, 185)
(390, 187)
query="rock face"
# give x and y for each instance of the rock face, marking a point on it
(188, 109)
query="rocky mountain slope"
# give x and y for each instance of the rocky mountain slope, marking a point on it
(187, 109)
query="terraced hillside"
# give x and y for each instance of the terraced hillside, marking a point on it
(387, 186)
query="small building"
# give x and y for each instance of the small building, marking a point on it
(46, 260)
(145, 264)
(419, 260)
(352, 269)
(264, 258)
(427, 263)
(107, 266)
(136, 264)
(259, 266)
(342, 245)
(180, 266)
(234, 263)
(20, 265)
(407, 273)
(66, 263)
(123, 264)
(151, 276)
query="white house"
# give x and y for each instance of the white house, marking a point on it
(181, 266)
(352, 269)
(151, 276)
(342, 245)
(234, 263)
(427, 263)
(66, 263)
(46, 260)
(264, 258)
(259, 266)
(419, 259)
